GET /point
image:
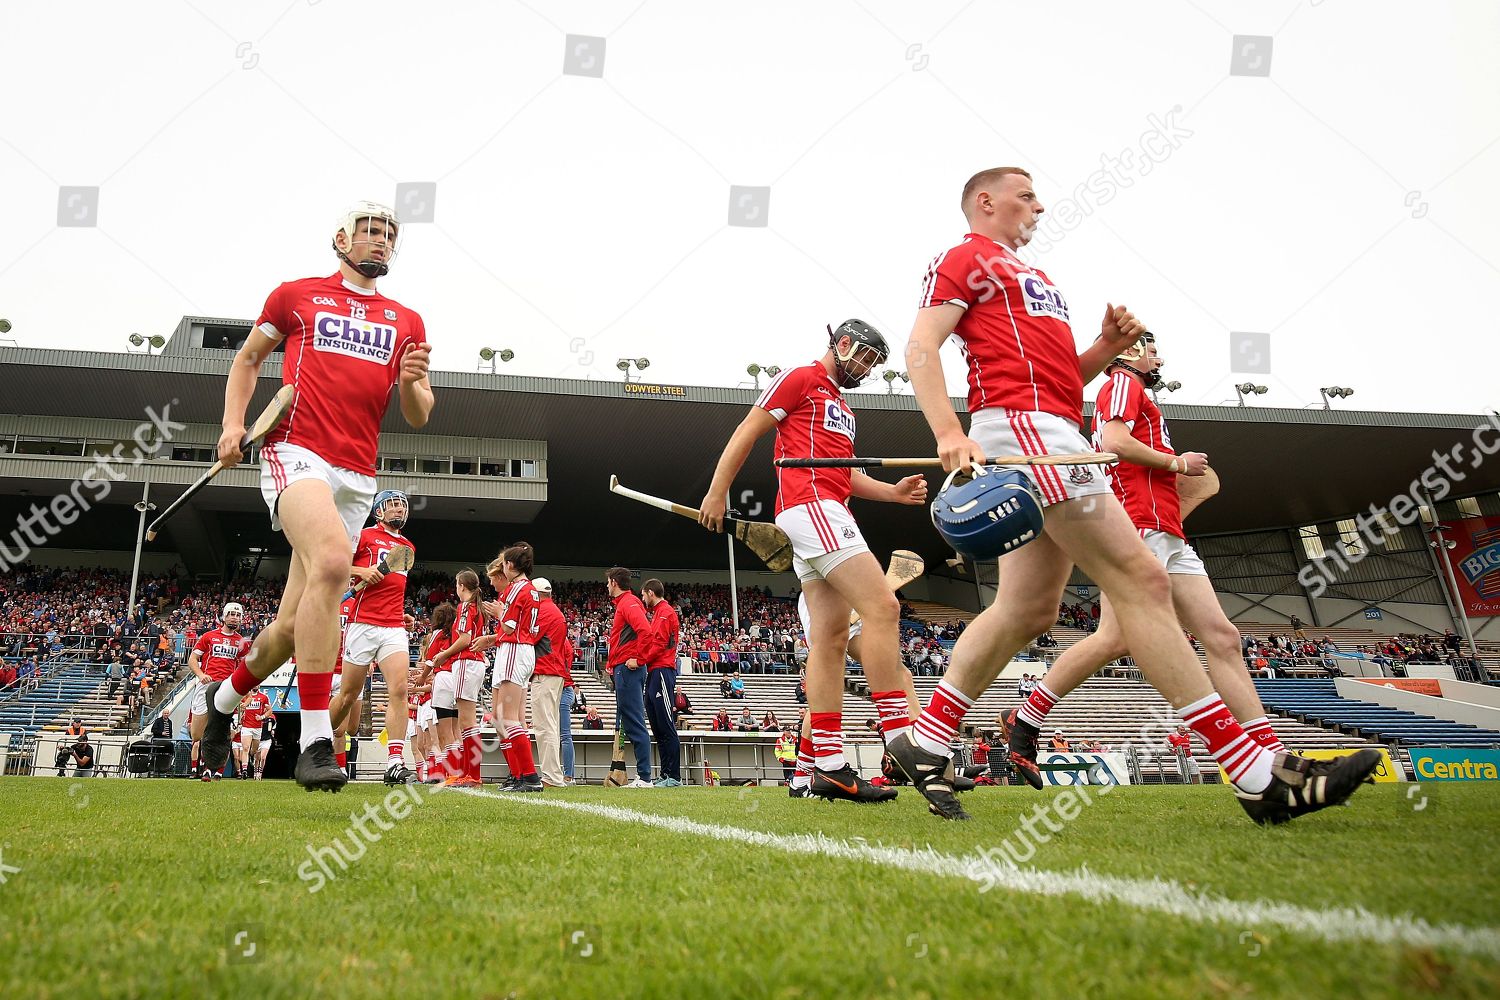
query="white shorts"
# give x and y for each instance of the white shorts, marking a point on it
(200, 701)
(514, 662)
(823, 536)
(468, 678)
(426, 717)
(1024, 432)
(366, 644)
(411, 728)
(1173, 553)
(805, 617)
(249, 736)
(282, 464)
(444, 689)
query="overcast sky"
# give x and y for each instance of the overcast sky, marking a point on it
(1319, 174)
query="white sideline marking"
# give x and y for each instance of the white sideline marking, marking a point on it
(1339, 924)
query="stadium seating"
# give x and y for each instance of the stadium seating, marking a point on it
(1318, 702)
(72, 690)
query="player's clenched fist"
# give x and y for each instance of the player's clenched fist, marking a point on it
(958, 451)
(1120, 327)
(711, 512)
(229, 446)
(1194, 463)
(414, 361)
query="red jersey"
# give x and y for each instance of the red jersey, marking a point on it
(1148, 495)
(812, 421)
(253, 714)
(343, 353)
(345, 610)
(666, 624)
(440, 642)
(630, 634)
(470, 620)
(384, 604)
(1014, 332)
(520, 608)
(554, 653)
(1180, 741)
(220, 652)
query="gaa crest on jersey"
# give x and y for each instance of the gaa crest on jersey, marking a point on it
(354, 336)
(1041, 298)
(1079, 475)
(838, 419)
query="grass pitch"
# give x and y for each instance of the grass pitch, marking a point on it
(173, 888)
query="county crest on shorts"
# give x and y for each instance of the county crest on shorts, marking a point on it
(1079, 475)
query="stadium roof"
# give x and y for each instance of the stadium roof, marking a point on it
(1278, 468)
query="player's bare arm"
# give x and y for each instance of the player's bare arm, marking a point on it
(911, 490)
(757, 423)
(415, 389)
(933, 327)
(368, 575)
(1117, 331)
(193, 662)
(238, 389)
(1117, 438)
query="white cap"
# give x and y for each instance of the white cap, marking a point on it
(542, 584)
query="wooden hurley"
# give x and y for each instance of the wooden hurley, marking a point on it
(397, 560)
(264, 424)
(905, 567)
(766, 540)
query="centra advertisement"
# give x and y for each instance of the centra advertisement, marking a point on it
(1450, 764)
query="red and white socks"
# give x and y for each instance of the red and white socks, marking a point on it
(1259, 730)
(1037, 705)
(240, 683)
(938, 725)
(1247, 763)
(802, 776)
(518, 756)
(472, 753)
(313, 691)
(395, 752)
(828, 740)
(895, 714)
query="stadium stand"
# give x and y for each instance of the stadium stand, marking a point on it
(1318, 702)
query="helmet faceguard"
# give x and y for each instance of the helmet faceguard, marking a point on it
(382, 500)
(232, 608)
(867, 347)
(1134, 355)
(368, 212)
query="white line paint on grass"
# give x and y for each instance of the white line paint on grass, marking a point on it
(1337, 924)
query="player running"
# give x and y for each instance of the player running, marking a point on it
(1025, 397)
(254, 708)
(376, 632)
(1128, 422)
(516, 614)
(346, 346)
(806, 407)
(218, 653)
